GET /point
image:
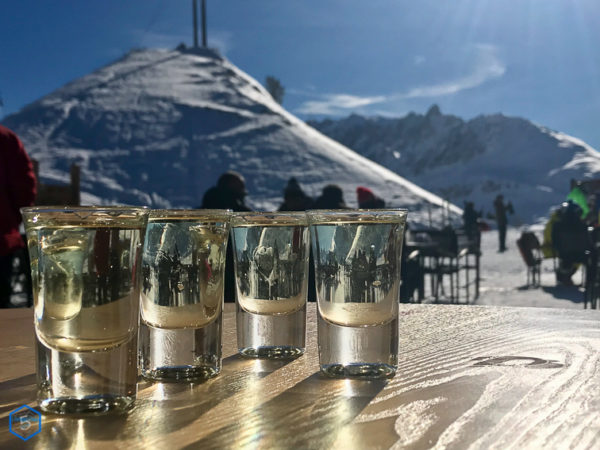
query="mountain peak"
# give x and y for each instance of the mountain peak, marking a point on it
(477, 159)
(158, 127)
(201, 51)
(433, 111)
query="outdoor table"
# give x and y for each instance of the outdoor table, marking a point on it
(431, 257)
(468, 376)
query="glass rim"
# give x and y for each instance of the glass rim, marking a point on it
(384, 215)
(268, 218)
(72, 209)
(41, 216)
(190, 214)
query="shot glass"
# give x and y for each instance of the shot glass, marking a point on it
(271, 274)
(357, 272)
(183, 267)
(85, 272)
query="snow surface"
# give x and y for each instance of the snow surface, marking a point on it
(158, 127)
(475, 160)
(504, 277)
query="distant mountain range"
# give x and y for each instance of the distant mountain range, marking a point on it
(473, 160)
(158, 127)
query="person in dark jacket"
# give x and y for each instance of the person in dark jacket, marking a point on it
(502, 220)
(294, 198)
(229, 193)
(570, 241)
(17, 189)
(367, 199)
(332, 197)
(470, 219)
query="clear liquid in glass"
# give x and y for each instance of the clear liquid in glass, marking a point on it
(358, 272)
(85, 286)
(182, 273)
(271, 268)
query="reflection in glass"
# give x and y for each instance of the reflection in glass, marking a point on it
(183, 267)
(271, 271)
(357, 270)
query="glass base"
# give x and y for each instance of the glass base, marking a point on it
(185, 354)
(98, 382)
(369, 352)
(89, 405)
(185, 373)
(367, 371)
(276, 352)
(280, 336)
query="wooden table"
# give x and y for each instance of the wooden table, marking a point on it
(469, 376)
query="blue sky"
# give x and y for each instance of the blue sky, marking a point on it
(537, 59)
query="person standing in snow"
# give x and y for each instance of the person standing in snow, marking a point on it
(17, 189)
(502, 220)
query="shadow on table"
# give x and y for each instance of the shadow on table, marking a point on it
(16, 392)
(571, 293)
(310, 414)
(160, 408)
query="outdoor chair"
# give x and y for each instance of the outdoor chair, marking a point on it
(445, 264)
(443, 256)
(470, 255)
(531, 252)
(412, 276)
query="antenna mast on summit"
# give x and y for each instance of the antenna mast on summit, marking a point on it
(203, 23)
(195, 19)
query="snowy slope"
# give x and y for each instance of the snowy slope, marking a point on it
(474, 160)
(158, 127)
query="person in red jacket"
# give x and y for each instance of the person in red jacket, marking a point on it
(17, 189)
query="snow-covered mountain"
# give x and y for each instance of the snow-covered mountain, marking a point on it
(158, 127)
(473, 160)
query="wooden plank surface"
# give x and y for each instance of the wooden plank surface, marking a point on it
(469, 377)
